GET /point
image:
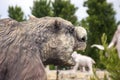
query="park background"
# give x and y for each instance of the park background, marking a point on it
(99, 17)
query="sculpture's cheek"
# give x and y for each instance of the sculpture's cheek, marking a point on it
(80, 46)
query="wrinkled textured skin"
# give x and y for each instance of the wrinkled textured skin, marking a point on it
(26, 46)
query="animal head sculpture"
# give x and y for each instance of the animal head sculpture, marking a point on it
(58, 39)
(52, 38)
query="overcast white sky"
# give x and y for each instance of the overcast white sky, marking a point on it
(26, 4)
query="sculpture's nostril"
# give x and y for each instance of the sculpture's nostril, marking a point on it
(84, 39)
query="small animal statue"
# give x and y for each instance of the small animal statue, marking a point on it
(82, 61)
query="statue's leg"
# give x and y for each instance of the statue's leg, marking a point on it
(90, 68)
(83, 69)
(76, 66)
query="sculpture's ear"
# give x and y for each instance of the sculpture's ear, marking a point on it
(57, 25)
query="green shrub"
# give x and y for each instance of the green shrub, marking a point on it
(109, 58)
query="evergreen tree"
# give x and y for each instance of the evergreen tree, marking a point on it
(64, 9)
(41, 8)
(16, 13)
(101, 20)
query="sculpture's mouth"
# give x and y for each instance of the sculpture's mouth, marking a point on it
(80, 46)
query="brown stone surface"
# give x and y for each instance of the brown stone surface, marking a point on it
(70, 75)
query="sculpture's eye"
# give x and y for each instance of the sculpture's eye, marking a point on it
(71, 30)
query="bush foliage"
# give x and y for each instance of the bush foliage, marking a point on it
(110, 60)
